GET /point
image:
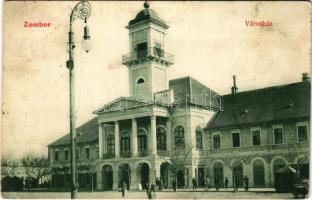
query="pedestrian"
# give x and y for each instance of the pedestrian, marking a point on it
(194, 183)
(123, 189)
(147, 188)
(226, 183)
(174, 185)
(207, 180)
(235, 181)
(161, 184)
(216, 182)
(153, 188)
(157, 183)
(246, 183)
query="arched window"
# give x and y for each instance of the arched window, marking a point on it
(142, 146)
(110, 145)
(140, 81)
(179, 137)
(199, 138)
(125, 144)
(161, 139)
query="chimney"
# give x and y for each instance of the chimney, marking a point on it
(234, 88)
(305, 77)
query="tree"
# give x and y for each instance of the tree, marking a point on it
(298, 157)
(177, 160)
(36, 167)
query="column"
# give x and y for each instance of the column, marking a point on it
(153, 144)
(117, 140)
(115, 178)
(104, 140)
(100, 141)
(99, 180)
(168, 136)
(134, 139)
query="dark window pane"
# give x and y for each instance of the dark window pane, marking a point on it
(66, 154)
(216, 141)
(278, 135)
(302, 134)
(56, 156)
(199, 140)
(179, 137)
(256, 137)
(236, 139)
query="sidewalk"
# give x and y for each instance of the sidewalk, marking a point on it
(221, 190)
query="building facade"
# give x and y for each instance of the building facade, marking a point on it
(181, 129)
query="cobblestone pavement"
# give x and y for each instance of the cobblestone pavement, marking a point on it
(159, 195)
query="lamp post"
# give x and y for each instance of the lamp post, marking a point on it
(81, 11)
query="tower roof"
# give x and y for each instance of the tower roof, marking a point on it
(147, 14)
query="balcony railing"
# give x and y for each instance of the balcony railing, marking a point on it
(153, 53)
(108, 156)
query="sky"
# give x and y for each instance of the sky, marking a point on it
(210, 42)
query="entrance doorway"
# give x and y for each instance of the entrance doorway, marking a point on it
(164, 174)
(258, 173)
(238, 173)
(180, 178)
(124, 175)
(107, 173)
(144, 173)
(218, 173)
(201, 177)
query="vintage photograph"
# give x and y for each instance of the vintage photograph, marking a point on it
(155, 99)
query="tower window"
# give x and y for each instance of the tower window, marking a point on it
(140, 81)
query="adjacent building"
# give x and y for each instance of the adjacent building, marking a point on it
(181, 129)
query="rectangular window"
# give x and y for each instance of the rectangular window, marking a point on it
(66, 154)
(235, 139)
(256, 137)
(97, 151)
(87, 152)
(216, 138)
(77, 154)
(302, 131)
(278, 135)
(56, 155)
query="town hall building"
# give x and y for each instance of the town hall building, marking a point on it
(181, 129)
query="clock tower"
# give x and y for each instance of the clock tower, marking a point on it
(147, 61)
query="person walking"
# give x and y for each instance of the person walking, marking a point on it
(123, 189)
(246, 183)
(174, 185)
(147, 188)
(207, 183)
(153, 188)
(216, 183)
(194, 183)
(226, 183)
(235, 183)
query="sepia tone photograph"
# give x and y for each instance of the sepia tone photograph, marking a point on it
(155, 99)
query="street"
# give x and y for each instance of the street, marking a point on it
(159, 195)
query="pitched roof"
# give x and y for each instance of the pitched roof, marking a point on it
(268, 104)
(189, 90)
(88, 132)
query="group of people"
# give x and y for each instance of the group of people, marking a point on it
(226, 183)
(150, 188)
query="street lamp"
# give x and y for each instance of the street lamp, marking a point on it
(81, 11)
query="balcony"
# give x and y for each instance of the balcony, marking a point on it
(152, 53)
(108, 156)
